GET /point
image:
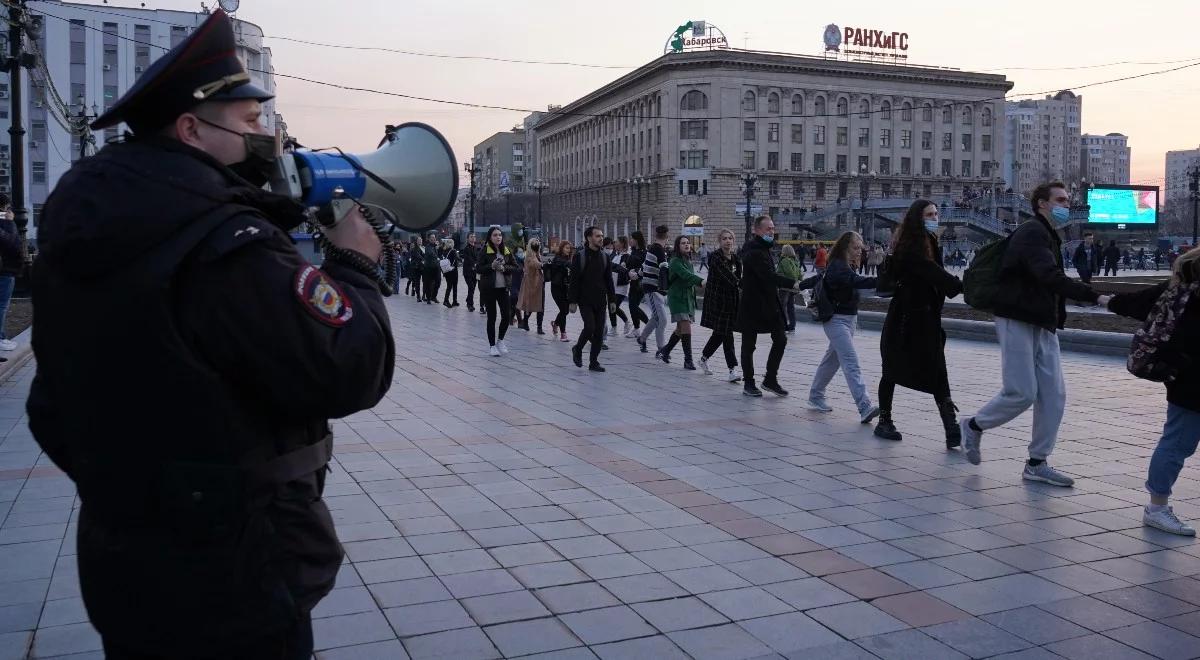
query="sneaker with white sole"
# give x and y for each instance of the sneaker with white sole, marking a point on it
(494, 352)
(869, 414)
(1166, 520)
(632, 333)
(704, 366)
(1045, 474)
(735, 375)
(503, 349)
(970, 440)
(8, 345)
(628, 331)
(818, 405)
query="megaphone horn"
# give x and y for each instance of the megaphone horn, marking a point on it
(413, 177)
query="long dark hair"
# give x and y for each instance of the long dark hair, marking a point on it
(911, 236)
(842, 246)
(639, 239)
(678, 240)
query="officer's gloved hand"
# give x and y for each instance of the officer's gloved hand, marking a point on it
(354, 233)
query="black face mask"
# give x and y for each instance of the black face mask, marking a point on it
(260, 160)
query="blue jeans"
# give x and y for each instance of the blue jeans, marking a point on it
(7, 282)
(1180, 435)
(840, 330)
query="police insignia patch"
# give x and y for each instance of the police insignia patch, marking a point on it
(322, 297)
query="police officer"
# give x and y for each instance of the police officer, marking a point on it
(188, 359)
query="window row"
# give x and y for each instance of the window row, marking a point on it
(750, 134)
(821, 188)
(885, 165)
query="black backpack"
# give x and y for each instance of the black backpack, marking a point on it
(821, 297)
(981, 281)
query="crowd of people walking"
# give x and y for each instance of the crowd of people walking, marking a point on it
(748, 292)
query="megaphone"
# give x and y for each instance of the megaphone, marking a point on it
(412, 177)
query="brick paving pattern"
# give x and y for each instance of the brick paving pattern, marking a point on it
(523, 507)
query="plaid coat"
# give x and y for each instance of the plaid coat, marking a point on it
(721, 292)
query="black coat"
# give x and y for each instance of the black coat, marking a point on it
(759, 308)
(1083, 261)
(1112, 256)
(236, 352)
(470, 261)
(912, 342)
(842, 285)
(721, 293)
(1184, 391)
(591, 280)
(1033, 286)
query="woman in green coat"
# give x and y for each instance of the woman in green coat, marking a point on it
(681, 300)
(789, 267)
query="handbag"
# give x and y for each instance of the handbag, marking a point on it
(445, 265)
(885, 281)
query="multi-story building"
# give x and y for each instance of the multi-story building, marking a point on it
(501, 155)
(1177, 204)
(674, 138)
(1105, 158)
(89, 55)
(1044, 141)
(1178, 164)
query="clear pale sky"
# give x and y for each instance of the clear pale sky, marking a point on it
(1158, 113)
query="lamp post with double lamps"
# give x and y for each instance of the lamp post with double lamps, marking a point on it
(539, 186)
(748, 181)
(637, 182)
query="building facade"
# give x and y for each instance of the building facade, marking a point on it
(1044, 141)
(1177, 205)
(89, 56)
(674, 138)
(1105, 158)
(499, 155)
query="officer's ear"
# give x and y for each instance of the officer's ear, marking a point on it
(186, 129)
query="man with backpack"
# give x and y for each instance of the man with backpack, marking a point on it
(1022, 280)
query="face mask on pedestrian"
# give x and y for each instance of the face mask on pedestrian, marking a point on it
(608, 251)
(1061, 213)
(769, 238)
(931, 225)
(259, 163)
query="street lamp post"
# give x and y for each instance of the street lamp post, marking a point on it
(637, 182)
(749, 179)
(508, 207)
(539, 186)
(1194, 187)
(85, 134)
(472, 169)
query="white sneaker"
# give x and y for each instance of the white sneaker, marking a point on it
(494, 352)
(970, 440)
(503, 349)
(704, 366)
(818, 405)
(8, 345)
(628, 330)
(869, 414)
(631, 333)
(735, 375)
(1166, 520)
(612, 331)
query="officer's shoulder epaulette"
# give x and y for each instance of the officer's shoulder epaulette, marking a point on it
(236, 232)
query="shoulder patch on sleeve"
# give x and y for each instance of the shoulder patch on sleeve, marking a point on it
(235, 233)
(322, 298)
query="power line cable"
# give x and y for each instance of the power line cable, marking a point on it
(611, 114)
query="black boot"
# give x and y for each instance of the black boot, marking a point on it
(686, 340)
(885, 428)
(665, 353)
(947, 409)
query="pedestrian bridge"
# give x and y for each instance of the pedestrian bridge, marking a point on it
(989, 215)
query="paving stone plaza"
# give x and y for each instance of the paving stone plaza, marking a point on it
(520, 506)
